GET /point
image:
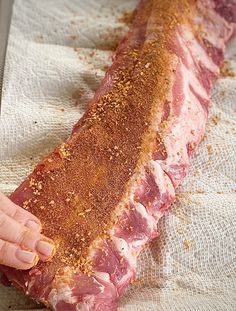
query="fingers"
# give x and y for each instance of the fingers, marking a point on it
(21, 244)
(13, 256)
(19, 214)
(27, 239)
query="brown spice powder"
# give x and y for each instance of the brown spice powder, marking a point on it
(210, 149)
(127, 17)
(119, 119)
(226, 71)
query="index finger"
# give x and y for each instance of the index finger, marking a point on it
(19, 214)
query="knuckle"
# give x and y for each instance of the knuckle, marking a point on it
(24, 237)
(15, 213)
(3, 219)
(3, 248)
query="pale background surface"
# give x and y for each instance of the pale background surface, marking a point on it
(192, 266)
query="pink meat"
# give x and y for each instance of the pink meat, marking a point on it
(196, 57)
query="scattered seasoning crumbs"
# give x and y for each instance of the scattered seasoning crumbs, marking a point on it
(31, 182)
(226, 71)
(200, 191)
(127, 17)
(164, 124)
(25, 204)
(186, 244)
(63, 151)
(223, 93)
(181, 230)
(209, 149)
(192, 146)
(137, 282)
(105, 67)
(216, 119)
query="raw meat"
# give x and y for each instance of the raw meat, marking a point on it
(101, 193)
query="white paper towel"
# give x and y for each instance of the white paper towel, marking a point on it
(57, 54)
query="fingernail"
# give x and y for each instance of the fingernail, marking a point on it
(25, 256)
(45, 248)
(32, 225)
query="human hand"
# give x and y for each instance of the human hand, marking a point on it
(21, 243)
